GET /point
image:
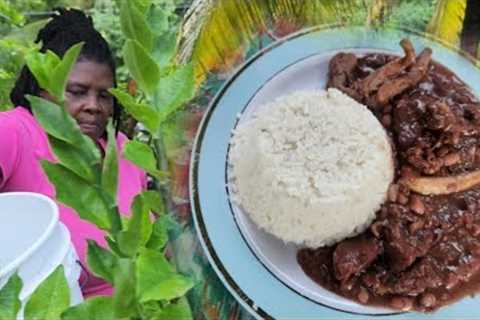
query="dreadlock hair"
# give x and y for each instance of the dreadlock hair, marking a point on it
(67, 28)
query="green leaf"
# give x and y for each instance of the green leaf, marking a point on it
(9, 301)
(159, 236)
(153, 200)
(178, 310)
(164, 48)
(141, 112)
(79, 194)
(41, 64)
(142, 5)
(71, 157)
(125, 221)
(124, 282)
(109, 180)
(36, 63)
(114, 246)
(9, 12)
(157, 279)
(150, 309)
(58, 123)
(139, 228)
(55, 120)
(169, 6)
(110, 164)
(141, 65)
(142, 155)
(27, 33)
(98, 308)
(51, 72)
(50, 299)
(114, 217)
(175, 89)
(59, 74)
(173, 134)
(158, 21)
(100, 261)
(134, 25)
(51, 60)
(161, 310)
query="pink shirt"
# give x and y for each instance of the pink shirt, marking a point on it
(23, 143)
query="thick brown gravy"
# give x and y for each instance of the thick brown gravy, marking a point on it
(422, 251)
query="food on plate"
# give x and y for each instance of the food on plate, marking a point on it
(312, 167)
(422, 251)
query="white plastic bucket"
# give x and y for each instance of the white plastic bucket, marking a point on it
(33, 242)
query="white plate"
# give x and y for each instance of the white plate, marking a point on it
(259, 270)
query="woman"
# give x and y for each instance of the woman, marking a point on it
(23, 143)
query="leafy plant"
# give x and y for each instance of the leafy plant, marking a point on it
(165, 87)
(51, 298)
(20, 22)
(48, 301)
(16, 43)
(411, 14)
(9, 16)
(147, 285)
(9, 302)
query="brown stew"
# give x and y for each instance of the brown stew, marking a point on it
(423, 250)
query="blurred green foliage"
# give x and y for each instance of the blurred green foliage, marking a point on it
(106, 17)
(411, 14)
(21, 19)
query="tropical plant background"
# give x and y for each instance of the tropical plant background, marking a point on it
(216, 36)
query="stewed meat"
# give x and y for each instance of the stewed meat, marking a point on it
(423, 249)
(354, 255)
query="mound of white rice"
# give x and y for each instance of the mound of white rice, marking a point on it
(311, 168)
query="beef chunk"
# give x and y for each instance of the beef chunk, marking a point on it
(354, 255)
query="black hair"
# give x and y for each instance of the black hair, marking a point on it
(66, 28)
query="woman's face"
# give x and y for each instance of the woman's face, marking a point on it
(87, 97)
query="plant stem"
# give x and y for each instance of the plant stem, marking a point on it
(162, 164)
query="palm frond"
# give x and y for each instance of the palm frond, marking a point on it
(447, 21)
(191, 27)
(216, 34)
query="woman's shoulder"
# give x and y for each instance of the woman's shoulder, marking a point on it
(16, 119)
(19, 126)
(122, 139)
(8, 117)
